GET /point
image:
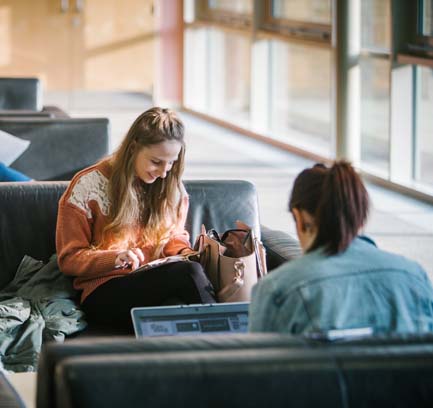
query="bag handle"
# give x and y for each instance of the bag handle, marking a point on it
(259, 249)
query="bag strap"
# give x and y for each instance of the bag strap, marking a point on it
(260, 252)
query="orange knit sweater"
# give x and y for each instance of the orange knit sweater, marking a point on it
(82, 216)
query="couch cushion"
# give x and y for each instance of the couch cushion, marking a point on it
(219, 203)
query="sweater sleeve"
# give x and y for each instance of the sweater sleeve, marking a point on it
(73, 243)
(180, 238)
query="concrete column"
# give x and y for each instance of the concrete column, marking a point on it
(347, 46)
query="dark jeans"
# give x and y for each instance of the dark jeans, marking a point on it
(109, 306)
(8, 174)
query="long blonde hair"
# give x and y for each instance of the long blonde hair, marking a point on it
(152, 208)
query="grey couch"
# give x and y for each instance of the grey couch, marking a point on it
(20, 94)
(29, 229)
(59, 146)
(22, 97)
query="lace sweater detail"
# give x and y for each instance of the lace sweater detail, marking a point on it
(91, 186)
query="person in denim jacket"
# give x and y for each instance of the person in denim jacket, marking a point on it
(343, 281)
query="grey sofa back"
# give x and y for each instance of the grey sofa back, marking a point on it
(28, 213)
(54, 354)
(59, 146)
(253, 370)
(20, 93)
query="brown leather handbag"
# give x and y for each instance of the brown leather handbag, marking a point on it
(233, 261)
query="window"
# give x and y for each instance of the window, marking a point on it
(300, 72)
(427, 18)
(301, 19)
(275, 78)
(376, 20)
(230, 6)
(375, 69)
(375, 110)
(217, 73)
(300, 99)
(424, 133)
(234, 14)
(311, 11)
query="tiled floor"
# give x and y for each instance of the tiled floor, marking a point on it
(397, 223)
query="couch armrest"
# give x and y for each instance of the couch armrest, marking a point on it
(280, 247)
(59, 146)
(24, 113)
(46, 112)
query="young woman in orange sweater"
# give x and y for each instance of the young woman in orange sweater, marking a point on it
(124, 212)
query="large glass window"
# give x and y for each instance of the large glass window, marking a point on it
(300, 96)
(276, 77)
(376, 19)
(196, 61)
(375, 85)
(312, 11)
(375, 114)
(239, 7)
(424, 139)
(427, 18)
(230, 73)
(217, 74)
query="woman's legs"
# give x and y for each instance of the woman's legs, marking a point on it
(110, 304)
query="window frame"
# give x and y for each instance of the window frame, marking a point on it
(205, 14)
(295, 29)
(424, 43)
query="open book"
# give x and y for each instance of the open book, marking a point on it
(193, 256)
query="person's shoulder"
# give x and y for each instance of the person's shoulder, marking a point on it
(400, 262)
(295, 272)
(379, 258)
(90, 183)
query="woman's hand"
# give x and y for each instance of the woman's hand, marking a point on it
(131, 258)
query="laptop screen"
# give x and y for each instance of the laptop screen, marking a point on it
(190, 320)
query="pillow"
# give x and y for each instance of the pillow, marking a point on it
(11, 148)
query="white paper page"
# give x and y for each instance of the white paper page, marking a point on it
(11, 147)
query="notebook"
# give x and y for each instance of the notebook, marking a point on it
(190, 320)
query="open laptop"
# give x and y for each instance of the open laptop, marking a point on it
(190, 320)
